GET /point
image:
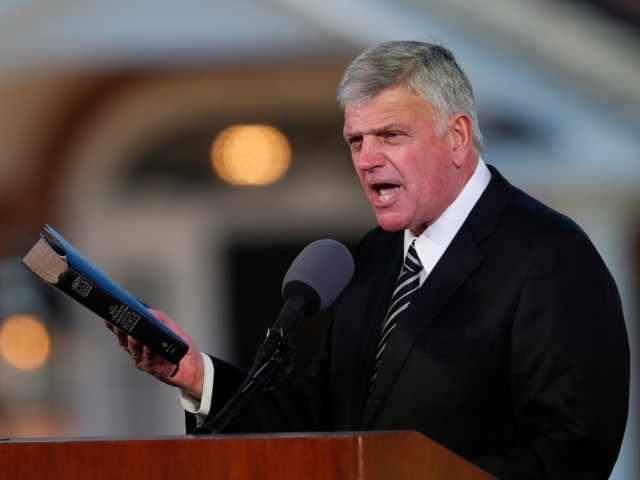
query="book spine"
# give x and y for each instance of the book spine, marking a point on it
(137, 324)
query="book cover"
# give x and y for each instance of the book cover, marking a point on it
(54, 260)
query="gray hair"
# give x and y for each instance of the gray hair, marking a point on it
(425, 69)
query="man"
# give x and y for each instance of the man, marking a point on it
(512, 350)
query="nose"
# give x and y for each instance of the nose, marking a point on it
(369, 156)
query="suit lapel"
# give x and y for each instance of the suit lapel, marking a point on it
(455, 266)
(458, 262)
(367, 297)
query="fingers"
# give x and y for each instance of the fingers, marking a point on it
(136, 350)
(132, 346)
(143, 357)
(124, 340)
(188, 377)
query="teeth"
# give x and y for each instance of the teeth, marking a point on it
(384, 198)
(386, 194)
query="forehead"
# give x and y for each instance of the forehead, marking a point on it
(391, 106)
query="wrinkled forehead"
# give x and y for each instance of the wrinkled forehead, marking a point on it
(393, 105)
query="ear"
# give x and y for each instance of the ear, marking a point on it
(461, 137)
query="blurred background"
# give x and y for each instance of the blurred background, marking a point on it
(191, 149)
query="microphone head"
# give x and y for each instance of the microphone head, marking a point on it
(319, 274)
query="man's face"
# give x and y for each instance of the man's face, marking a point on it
(405, 166)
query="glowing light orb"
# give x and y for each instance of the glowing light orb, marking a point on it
(251, 155)
(24, 342)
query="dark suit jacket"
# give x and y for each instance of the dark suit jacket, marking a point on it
(513, 354)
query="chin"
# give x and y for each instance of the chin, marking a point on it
(391, 226)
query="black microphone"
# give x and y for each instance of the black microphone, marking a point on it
(314, 280)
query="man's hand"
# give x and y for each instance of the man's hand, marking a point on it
(189, 376)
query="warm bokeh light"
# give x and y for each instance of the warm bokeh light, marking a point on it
(251, 155)
(24, 342)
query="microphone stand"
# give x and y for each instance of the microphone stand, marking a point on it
(273, 357)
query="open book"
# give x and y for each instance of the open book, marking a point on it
(57, 262)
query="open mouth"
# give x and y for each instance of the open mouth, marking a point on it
(385, 191)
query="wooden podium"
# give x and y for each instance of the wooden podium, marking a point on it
(332, 456)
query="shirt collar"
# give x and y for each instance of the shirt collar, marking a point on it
(432, 243)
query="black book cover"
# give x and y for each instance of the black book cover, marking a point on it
(58, 263)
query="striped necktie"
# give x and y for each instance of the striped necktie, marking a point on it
(408, 282)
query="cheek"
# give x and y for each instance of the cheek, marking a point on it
(424, 179)
(428, 182)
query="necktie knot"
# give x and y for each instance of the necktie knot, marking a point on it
(411, 260)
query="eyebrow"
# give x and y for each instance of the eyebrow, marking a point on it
(373, 131)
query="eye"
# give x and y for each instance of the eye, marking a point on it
(354, 141)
